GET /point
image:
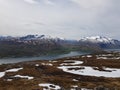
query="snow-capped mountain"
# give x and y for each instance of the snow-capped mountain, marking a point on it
(7, 38)
(35, 37)
(29, 38)
(99, 39)
(103, 42)
(43, 44)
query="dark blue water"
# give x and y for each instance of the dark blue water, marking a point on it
(46, 57)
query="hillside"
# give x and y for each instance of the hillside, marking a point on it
(86, 72)
(36, 45)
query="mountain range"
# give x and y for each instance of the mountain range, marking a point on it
(31, 45)
(103, 42)
(38, 38)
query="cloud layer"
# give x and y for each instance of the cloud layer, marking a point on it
(64, 18)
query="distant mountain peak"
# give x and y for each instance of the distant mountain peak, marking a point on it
(101, 41)
(98, 39)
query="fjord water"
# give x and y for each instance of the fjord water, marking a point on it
(113, 50)
(45, 57)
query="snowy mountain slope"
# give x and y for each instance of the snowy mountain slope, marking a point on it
(99, 39)
(103, 42)
(35, 37)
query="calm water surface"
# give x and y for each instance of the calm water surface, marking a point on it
(46, 57)
(115, 50)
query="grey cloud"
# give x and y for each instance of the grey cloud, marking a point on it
(65, 18)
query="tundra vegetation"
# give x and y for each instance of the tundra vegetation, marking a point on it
(40, 74)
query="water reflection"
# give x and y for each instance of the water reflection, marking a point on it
(113, 50)
(46, 57)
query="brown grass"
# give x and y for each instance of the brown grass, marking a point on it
(51, 74)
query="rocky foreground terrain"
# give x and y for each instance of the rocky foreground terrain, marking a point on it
(86, 72)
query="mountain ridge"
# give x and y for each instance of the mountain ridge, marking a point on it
(91, 39)
(35, 45)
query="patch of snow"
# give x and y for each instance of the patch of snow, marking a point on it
(73, 87)
(13, 70)
(103, 57)
(110, 69)
(9, 80)
(54, 61)
(71, 62)
(36, 65)
(89, 56)
(50, 86)
(20, 76)
(89, 71)
(43, 63)
(48, 64)
(83, 56)
(10, 70)
(107, 56)
(75, 80)
(2, 74)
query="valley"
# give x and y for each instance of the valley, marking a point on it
(59, 44)
(39, 62)
(40, 45)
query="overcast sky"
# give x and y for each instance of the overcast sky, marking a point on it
(62, 18)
